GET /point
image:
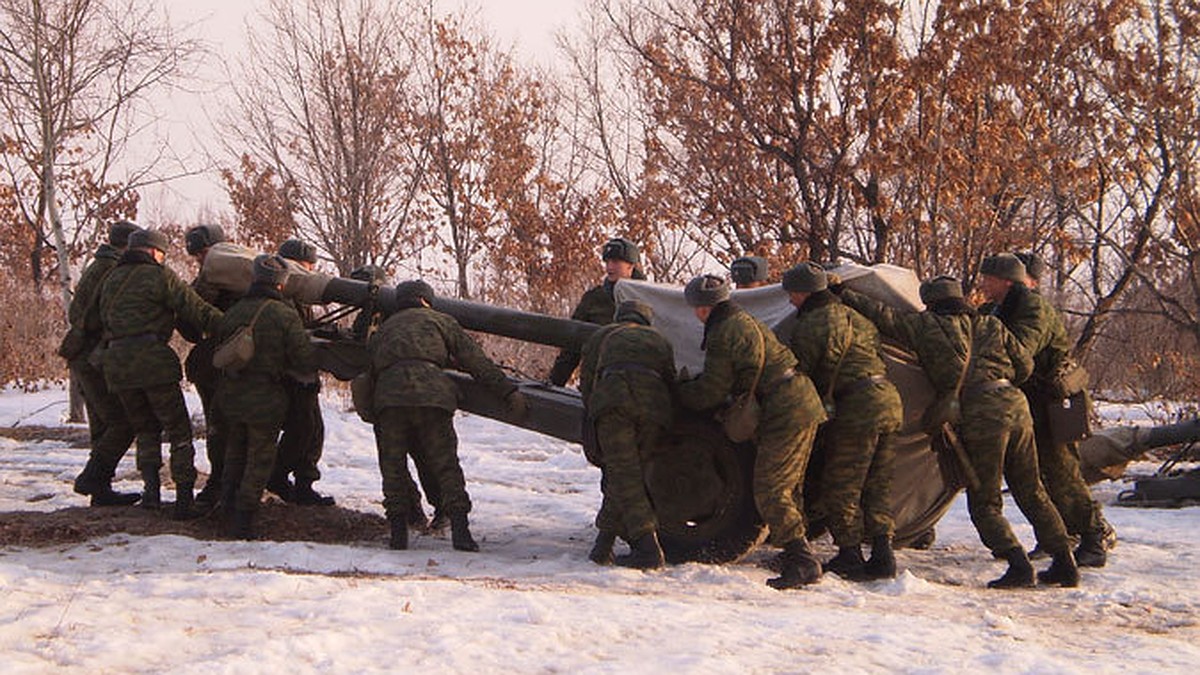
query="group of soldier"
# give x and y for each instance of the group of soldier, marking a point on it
(995, 370)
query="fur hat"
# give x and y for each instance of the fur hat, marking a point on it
(270, 269)
(118, 233)
(410, 293)
(940, 288)
(201, 237)
(807, 277)
(706, 290)
(620, 248)
(372, 274)
(298, 250)
(1034, 265)
(1003, 266)
(636, 311)
(748, 269)
(149, 239)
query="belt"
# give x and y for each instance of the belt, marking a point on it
(139, 339)
(628, 367)
(859, 384)
(986, 387)
(413, 362)
(770, 387)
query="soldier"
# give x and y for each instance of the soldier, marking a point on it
(303, 436)
(973, 363)
(738, 351)
(838, 349)
(109, 430)
(621, 261)
(749, 272)
(253, 398)
(199, 367)
(365, 325)
(414, 404)
(627, 372)
(1039, 327)
(141, 301)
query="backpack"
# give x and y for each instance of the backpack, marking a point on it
(236, 351)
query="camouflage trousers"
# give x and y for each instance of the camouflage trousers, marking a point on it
(997, 434)
(1059, 466)
(625, 441)
(108, 426)
(152, 411)
(856, 484)
(249, 456)
(427, 435)
(783, 449)
(303, 433)
(215, 430)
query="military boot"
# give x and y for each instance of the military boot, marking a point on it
(88, 480)
(1019, 573)
(602, 549)
(305, 495)
(848, 563)
(96, 481)
(281, 487)
(185, 506)
(210, 495)
(242, 526)
(151, 490)
(882, 564)
(1062, 571)
(460, 534)
(799, 567)
(1091, 551)
(439, 522)
(399, 538)
(645, 553)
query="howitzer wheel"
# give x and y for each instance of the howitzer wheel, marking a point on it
(700, 484)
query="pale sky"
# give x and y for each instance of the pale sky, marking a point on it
(528, 26)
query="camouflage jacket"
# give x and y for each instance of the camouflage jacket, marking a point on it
(409, 351)
(140, 303)
(597, 306)
(281, 346)
(87, 292)
(829, 338)
(1038, 326)
(198, 366)
(939, 336)
(630, 368)
(732, 356)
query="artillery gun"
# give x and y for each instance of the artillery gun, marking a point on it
(698, 481)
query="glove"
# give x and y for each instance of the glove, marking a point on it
(518, 405)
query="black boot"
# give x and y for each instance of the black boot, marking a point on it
(151, 490)
(96, 481)
(645, 553)
(460, 534)
(1062, 571)
(602, 549)
(1091, 551)
(439, 522)
(800, 567)
(243, 525)
(88, 480)
(882, 564)
(305, 495)
(281, 487)
(185, 507)
(848, 563)
(228, 500)
(1019, 573)
(399, 540)
(210, 496)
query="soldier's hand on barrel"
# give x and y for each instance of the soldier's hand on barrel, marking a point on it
(518, 405)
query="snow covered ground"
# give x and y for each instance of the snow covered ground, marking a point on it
(531, 602)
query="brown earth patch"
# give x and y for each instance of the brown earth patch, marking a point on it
(275, 522)
(76, 437)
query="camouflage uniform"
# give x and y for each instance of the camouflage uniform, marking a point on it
(140, 303)
(109, 429)
(791, 411)
(831, 340)
(415, 403)
(254, 400)
(1039, 327)
(625, 380)
(995, 428)
(597, 306)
